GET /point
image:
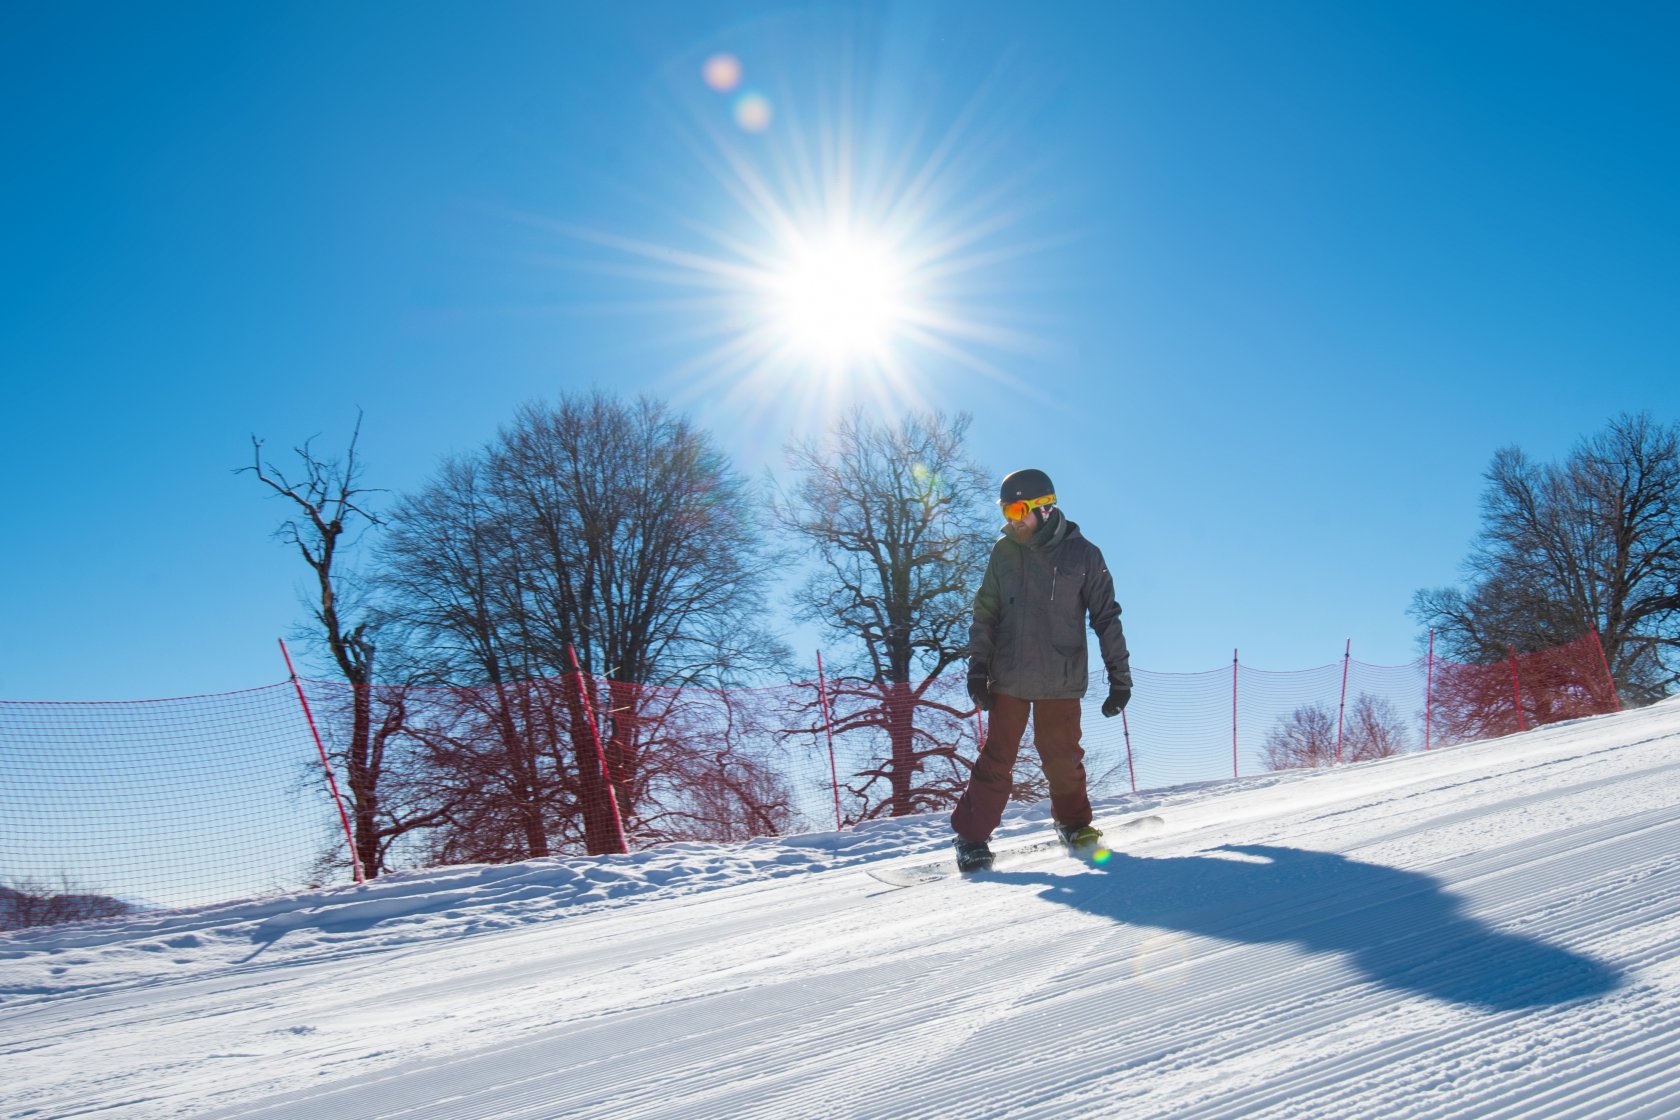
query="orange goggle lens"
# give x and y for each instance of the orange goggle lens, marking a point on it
(1017, 511)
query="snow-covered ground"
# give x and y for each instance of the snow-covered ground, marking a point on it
(1486, 931)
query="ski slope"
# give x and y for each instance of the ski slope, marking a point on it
(1486, 931)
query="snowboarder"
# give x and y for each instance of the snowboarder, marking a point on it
(1026, 656)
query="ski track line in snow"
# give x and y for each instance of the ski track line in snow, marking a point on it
(621, 1074)
(1382, 797)
(704, 933)
(145, 1017)
(1561, 845)
(735, 1078)
(1405, 1077)
(318, 925)
(143, 996)
(1477, 1034)
(1615, 907)
(1297, 1011)
(1311, 1015)
(918, 969)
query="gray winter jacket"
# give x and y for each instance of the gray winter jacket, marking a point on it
(1028, 634)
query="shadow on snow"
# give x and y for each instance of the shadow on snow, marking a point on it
(1400, 928)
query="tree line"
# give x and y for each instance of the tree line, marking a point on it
(1564, 549)
(1575, 569)
(527, 635)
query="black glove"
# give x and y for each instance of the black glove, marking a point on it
(978, 692)
(1118, 696)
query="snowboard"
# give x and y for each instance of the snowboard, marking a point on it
(915, 874)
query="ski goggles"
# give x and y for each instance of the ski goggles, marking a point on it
(1017, 511)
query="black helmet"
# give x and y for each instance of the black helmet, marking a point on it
(1024, 486)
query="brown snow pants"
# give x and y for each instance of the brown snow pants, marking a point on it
(1056, 735)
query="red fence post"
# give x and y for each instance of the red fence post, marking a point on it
(1516, 689)
(1608, 675)
(1234, 772)
(332, 782)
(584, 691)
(1429, 690)
(828, 726)
(1347, 656)
(1131, 769)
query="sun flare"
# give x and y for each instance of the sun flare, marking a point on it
(839, 299)
(829, 242)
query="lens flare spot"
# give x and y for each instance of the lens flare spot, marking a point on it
(1161, 962)
(722, 72)
(752, 112)
(929, 484)
(1101, 856)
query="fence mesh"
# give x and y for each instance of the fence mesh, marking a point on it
(162, 802)
(179, 802)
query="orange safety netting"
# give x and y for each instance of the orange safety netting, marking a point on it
(177, 802)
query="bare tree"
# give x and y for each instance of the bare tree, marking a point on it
(1313, 735)
(407, 800)
(1305, 737)
(30, 903)
(700, 765)
(612, 531)
(1471, 702)
(1484, 701)
(331, 505)
(640, 545)
(449, 579)
(1591, 543)
(496, 765)
(1373, 729)
(896, 515)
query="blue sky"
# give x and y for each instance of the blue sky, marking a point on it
(1262, 286)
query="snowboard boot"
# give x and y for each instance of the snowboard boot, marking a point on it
(972, 855)
(1079, 841)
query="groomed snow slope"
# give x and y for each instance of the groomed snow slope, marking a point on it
(1486, 931)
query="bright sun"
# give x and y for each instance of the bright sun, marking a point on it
(839, 299)
(865, 250)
